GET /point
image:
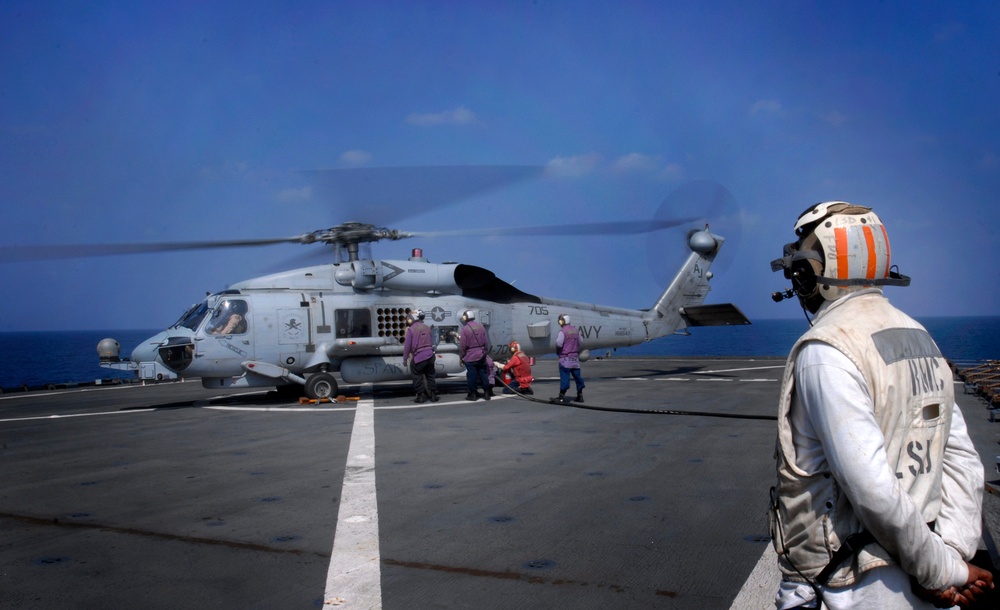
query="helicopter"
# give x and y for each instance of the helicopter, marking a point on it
(296, 329)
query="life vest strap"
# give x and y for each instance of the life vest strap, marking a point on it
(852, 544)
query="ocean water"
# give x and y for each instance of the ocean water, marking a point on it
(962, 340)
(36, 359)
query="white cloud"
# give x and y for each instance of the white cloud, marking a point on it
(765, 106)
(636, 162)
(355, 157)
(571, 167)
(672, 172)
(294, 195)
(458, 116)
(648, 164)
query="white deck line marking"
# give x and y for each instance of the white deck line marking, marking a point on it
(73, 415)
(762, 584)
(747, 368)
(428, 405)
(354, 579)
(282, 409)
(444, 403)
(39, 394)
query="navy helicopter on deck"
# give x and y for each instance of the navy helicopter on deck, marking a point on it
(296, 329)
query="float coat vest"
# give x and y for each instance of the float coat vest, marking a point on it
(569, 351)
(911, 386)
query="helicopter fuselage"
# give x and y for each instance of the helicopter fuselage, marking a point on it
(349, 318)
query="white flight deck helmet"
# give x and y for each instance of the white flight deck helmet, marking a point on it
(413, 316)
(841, 248)
(468, 315)
(563, 319)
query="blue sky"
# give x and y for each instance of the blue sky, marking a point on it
(145, 122)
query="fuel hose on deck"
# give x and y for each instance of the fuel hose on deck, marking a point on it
(578, 405)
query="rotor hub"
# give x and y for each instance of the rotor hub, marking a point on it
(350, 234)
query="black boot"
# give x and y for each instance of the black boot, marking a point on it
(489, 393)
(434, 397)
(471, 396)
(420, 399)
(560, 398)
(579, 396)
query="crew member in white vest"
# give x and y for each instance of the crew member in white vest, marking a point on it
(879, 488)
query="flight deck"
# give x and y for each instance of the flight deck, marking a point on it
(651, 494)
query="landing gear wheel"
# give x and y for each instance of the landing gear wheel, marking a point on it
(321, 385)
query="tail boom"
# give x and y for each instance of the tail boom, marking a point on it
(681, 304)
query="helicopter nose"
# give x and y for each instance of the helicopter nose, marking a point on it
(176, 352)
(172, 350)
(147, 350)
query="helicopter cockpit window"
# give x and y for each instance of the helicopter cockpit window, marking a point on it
(353, 323)
(229, 318)
(192, 318)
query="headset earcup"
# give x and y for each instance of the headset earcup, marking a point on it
(804, 277)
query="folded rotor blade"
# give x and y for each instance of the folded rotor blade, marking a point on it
(18, 254)
(595, 228)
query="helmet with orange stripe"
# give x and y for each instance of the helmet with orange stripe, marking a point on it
(841, 248)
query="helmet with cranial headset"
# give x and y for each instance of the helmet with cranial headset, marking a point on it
(414, 315)
(841, 248)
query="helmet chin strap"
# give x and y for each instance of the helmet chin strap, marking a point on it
(895, 279)
(813, 300)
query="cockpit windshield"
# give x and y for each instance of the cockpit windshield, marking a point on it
(228, 318)
(192, 318)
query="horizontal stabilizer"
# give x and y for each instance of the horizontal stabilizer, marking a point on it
(724, 314)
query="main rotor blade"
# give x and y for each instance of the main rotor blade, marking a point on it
(595, 228)
(376, 194)
(19, 254)
(386, 195)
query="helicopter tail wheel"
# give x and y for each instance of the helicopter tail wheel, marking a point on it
(321, 385)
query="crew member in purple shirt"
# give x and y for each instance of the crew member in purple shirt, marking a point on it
(418, 354)
(568, 350)
(473, 346)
